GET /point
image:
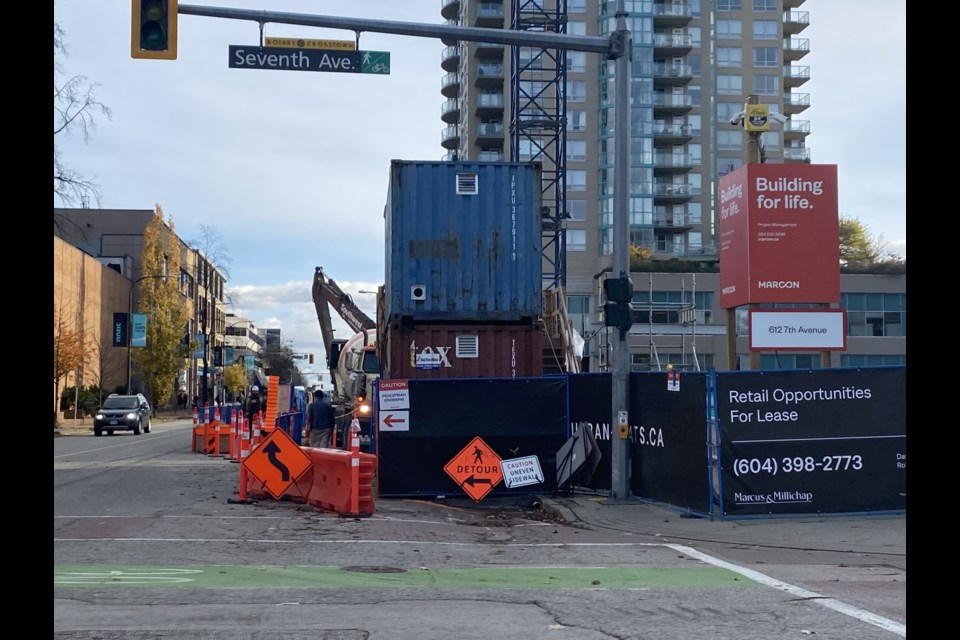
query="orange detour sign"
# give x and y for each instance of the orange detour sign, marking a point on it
(277, 462)
(476, 469)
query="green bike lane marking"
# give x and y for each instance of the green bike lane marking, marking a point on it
(243, 576)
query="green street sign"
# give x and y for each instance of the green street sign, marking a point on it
(375, 62)
(290, 59)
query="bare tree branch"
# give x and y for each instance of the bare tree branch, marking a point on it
(75, 106)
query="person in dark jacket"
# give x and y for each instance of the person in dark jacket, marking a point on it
(320, 420)
(253, 407)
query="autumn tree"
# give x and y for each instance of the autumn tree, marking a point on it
(639, 256)
(75, 106)
(278, 361)
(70, 352)
(235, 378)
(166, 308)
(857, 245)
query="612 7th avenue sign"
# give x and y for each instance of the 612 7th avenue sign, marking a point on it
(284, 59)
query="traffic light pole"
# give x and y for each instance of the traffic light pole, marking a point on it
(615, 47)
(620, 466)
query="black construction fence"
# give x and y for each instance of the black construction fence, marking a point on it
(734, 444)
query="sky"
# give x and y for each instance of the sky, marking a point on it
(289, 169)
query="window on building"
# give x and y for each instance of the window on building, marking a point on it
(687, 361)
(729, 140)
(694, 212)
(696, 153)
(875, 314)
(576, 6)
(576, 179)
(729, 29)
(765, 30)
(530, 58)
(532, 88)
(728, 165)
(576, 61)
(766, 85)
(771, 140)
(665, 306)
(576, 120)
(694, 33)
(576, 150)
(765, 5)
(578, 305)
(693, 90)
(576, 91)
(526, 150)
(577, 209)
(694, 122)
(696, 63)
(872, 360)
(766, 57)
(576, 240)
(576, 28)
(773, 361)
(728, 5)
(726, 110)
(729, 85)
(729, 57)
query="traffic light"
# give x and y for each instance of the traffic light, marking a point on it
(619, 315)
(311, 358)
(154, 29)
(618, 289)
(616, 311)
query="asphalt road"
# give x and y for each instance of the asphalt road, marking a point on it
(150, 541)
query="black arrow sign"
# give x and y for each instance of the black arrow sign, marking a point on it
(272, 450)
(475, 481)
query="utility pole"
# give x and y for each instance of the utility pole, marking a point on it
(619, 445)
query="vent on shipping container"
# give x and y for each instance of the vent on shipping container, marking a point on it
(467, 184)
(418, 292)
(468, 346)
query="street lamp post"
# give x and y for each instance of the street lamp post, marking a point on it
(249, 324)
(130, 323)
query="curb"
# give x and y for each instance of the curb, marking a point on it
(557, 509)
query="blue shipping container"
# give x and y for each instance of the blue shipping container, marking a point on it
(463, 242)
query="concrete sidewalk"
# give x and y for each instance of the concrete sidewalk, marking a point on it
(872, 534)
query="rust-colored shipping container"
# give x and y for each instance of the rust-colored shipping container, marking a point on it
(461, 350)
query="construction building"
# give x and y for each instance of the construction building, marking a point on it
(694, 63)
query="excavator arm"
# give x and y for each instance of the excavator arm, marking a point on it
(326, 289)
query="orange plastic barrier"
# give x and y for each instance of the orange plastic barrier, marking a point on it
(331, 486)
(210, 438)
(339, 481)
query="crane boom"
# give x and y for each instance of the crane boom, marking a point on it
(326, 289)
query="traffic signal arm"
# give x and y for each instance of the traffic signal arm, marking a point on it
(153, 30)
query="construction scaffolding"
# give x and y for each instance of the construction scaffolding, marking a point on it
(671, 330)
